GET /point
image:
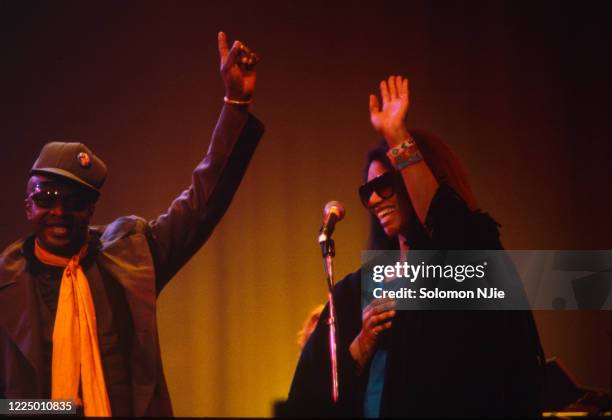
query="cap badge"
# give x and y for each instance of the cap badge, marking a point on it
(84, 160)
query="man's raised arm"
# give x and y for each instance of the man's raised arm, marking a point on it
(191, 218)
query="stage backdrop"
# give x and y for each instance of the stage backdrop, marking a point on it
(517, 89)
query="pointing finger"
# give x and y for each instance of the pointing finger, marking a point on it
(222, 43)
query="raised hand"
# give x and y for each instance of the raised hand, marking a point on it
(390, 120)
(237, 69)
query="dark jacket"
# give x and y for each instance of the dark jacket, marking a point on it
(439, 363)
(140, 256)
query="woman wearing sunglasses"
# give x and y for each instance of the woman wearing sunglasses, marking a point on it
(419, 363)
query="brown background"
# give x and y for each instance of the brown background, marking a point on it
(519, 90)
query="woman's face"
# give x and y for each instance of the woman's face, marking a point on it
(387, 210)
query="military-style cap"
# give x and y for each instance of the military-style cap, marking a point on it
(73, 161)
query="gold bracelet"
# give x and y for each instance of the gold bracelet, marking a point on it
(235, 101)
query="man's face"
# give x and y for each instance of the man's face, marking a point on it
(386, 207)
(60, 213)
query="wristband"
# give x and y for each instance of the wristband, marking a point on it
(404, 154)
(235, 101)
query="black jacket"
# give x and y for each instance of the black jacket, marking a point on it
(439, 363)
(138, 255)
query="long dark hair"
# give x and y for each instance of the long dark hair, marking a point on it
(446, 168)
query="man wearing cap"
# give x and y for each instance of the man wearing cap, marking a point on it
(78, 302)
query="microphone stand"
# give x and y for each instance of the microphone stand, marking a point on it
(328, 250)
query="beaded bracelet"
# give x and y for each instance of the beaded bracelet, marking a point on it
(404, 154)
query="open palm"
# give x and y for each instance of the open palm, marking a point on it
(390, 120)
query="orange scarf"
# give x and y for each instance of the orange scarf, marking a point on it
(76, 354)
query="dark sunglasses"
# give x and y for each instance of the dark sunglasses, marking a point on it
(48, 199)
(383, 185)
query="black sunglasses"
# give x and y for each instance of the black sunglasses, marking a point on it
(383, 185)
(48, 199)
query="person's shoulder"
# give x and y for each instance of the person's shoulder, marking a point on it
(454, 225)
(121, 228)
(12, 261)
(9, 250)
(350, 283)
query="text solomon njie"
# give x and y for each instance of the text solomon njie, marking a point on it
(425, 293)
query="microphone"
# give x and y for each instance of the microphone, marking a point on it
(333, 212)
